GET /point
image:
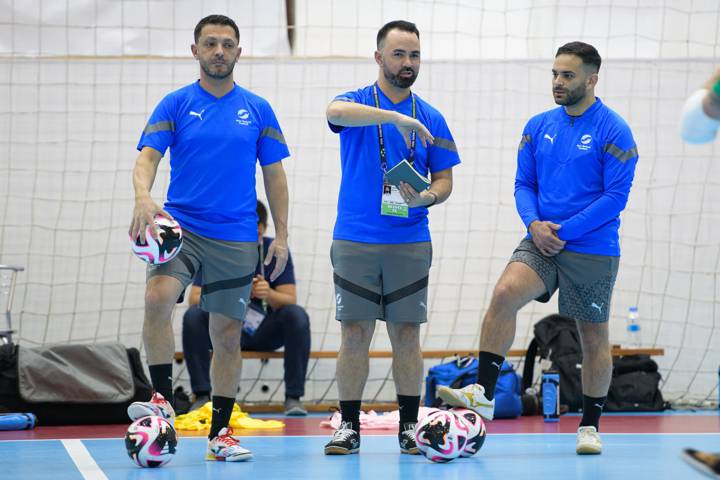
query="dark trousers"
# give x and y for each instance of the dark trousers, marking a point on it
(288, 327)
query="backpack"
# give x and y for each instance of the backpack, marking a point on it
(635, 386)
(457, 374)
(557, 338)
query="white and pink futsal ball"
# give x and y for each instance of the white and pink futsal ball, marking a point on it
(441, 436)
(476, 430)
(151, 441)
(165, 247)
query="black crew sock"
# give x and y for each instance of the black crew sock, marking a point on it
(409, 406)
(222, 408)
(350, 411)
(161, 377)
(592, 409)
(489, 366)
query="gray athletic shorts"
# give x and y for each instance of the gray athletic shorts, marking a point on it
(228, 269)
(381, 281)
(585, 281)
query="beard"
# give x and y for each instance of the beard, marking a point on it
(400, 82)
(571, 96)
(207, 67)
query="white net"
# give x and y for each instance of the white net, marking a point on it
(78, 80)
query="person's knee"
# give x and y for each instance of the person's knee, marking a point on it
(595, 340)
(157, 300)
(295, 318)
(356, 336)
(193, 318)
(225, 336)
(406, 336)
(506, 297)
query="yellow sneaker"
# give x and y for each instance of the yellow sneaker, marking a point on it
(471, 396)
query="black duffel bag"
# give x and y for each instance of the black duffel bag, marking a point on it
(635, 386)
(72, 384)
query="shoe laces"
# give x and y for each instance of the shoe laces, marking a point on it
(344, 432)
(227, 437)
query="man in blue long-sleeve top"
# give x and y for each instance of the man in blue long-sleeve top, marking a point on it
(575, 168)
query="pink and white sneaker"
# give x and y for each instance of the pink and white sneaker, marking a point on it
(226, 448)
(157, 406)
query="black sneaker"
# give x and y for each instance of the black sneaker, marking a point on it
(406, 437)
(345, 441)
(707, 463)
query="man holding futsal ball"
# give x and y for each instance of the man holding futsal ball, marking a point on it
(699, 124)
(381, 251)
(216, 131)
(575, 167)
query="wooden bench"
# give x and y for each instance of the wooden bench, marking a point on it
(617, 351)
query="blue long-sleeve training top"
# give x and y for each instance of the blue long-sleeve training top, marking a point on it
(577, 172)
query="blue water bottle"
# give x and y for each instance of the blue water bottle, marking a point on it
(17, 421)
(551, 395)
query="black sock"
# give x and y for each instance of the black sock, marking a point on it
(409, 406)
(489, 366)
(592, 409)
(350, 411)
(161, 377)
(222, 408)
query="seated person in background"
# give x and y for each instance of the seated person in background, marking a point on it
(273, 321)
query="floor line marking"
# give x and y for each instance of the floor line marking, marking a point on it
(85, 463)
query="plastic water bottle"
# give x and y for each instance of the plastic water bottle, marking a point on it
(17, 421)
(551, 396)
(633, 328)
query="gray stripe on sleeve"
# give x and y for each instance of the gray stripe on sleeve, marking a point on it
(622, 155)
(273, 133)
(164, 126)
(525, 139)
(444, 143)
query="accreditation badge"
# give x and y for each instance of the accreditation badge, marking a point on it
(392, 203)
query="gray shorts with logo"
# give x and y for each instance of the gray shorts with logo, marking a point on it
(585, 281)
(228, 269)
(381, 281)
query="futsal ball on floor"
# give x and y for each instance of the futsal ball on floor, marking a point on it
(165, 247)
(476, 430)
(151, 441)
(441, 436)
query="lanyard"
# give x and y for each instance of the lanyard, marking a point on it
(381, 137)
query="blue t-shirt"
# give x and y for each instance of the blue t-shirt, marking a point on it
(358, 211)
(287, 277)
(577, 172)
(214, 144)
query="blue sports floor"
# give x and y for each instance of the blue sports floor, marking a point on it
(295, 456)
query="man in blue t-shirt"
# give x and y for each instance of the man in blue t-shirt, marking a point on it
(699, 124)
(381, 251)
(273, 320)
(216, 132)
(575, 167)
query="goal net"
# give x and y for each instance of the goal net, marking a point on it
(79, 79)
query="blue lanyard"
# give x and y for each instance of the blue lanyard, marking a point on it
(381, 137)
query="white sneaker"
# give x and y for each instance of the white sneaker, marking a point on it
(471, 396)
(226, 448)
(588, 441)
(156, 406)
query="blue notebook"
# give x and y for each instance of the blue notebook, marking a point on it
(404, 172)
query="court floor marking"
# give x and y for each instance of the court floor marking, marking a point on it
(85, 463)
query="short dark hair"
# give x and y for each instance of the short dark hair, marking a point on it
(403, 25)
(216, 20)
(261, 213)
(587, 53)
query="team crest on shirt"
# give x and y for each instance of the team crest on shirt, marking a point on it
(243, 117)
(585, 142)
